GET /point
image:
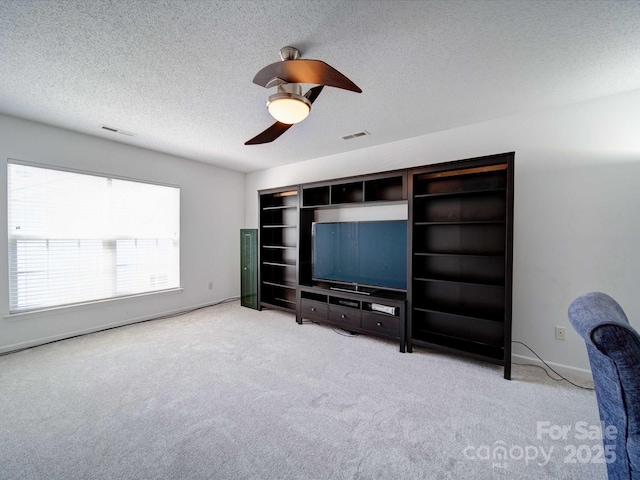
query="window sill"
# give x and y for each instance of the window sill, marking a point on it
(13, 317)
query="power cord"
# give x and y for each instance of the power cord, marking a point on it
(178, 314)
(341, 331)
(548, 366)
(344, 333)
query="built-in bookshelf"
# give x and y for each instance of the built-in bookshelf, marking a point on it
(461, 258)
(279, 248)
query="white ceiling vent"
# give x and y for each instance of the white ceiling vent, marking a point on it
(117, 130)
(356, 135)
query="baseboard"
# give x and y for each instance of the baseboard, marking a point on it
(560, 368)
(55, 338)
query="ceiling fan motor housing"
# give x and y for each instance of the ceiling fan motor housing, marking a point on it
(289, 53)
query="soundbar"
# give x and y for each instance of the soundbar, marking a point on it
(350, 290)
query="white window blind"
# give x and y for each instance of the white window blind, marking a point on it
(76, 237)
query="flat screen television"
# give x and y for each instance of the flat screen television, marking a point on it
(361, 254)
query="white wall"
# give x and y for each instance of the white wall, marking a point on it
(577, 206)
(211, 213)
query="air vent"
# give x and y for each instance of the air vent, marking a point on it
(356, 135)
(117, 130)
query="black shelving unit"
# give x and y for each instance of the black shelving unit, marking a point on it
(461, 217)
(459, 256)
(383, 187)
(278, 254)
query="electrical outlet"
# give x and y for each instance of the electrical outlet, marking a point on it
(560, 333)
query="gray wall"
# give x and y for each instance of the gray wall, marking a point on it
(577, 214)
(212, 212)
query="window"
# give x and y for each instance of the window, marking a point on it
(76, 237)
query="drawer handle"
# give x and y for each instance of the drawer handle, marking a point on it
(344, 316)
(313, 309)
(379, 324)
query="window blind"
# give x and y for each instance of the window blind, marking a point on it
(77, 237)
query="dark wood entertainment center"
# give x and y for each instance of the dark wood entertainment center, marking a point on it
(355, 313)
(459, 257)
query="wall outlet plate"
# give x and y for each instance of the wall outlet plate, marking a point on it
(560, 333)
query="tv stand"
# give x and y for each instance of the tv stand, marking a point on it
(351, 311)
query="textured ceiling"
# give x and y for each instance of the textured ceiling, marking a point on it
(178, 73)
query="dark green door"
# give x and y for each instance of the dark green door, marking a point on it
(249, 267)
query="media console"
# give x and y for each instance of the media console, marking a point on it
(380, 314)
(459, 256)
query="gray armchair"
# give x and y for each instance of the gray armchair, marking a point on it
(614, 354)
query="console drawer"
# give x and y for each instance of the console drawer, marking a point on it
(313, 310)
(344, 316)
(386, 325)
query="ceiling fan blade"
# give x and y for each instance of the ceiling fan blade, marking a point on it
(305, 71)
(270, 134)
(313, 93)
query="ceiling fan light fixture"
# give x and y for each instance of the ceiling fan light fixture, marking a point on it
(288, 108)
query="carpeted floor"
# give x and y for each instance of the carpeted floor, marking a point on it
(231, 393)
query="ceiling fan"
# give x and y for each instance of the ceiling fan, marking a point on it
(288, 106)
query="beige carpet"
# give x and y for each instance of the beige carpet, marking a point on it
(231, 393)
